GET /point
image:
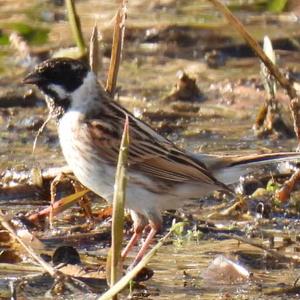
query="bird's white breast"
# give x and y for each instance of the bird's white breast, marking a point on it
(82, 159)
(67, 129)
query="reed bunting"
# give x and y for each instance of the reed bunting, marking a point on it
(160, 175)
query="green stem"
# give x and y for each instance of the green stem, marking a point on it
(76, 27)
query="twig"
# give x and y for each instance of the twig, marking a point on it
(57, 275)
(116, 51)
(78, 188)
(53, 189)
(41, 129)
(30, 251)
(285, 191)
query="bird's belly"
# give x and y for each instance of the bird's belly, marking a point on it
(98, 177)
(82, 159)
(90, 171)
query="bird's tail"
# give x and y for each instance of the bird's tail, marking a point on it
(228, 169)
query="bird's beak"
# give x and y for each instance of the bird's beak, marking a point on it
(32, 78)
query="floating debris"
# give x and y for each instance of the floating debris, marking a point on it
(185, 89)
(226, 271)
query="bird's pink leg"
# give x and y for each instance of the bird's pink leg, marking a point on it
(136, 236)
(155, 227)
(139, 223)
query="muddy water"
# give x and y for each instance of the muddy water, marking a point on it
(164, 37)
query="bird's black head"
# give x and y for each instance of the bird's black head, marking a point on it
(58, 78)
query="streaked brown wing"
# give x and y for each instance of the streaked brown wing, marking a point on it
(149, 152)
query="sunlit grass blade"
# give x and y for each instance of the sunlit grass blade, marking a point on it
(265, 118)
(118, 207)
(74, 21)
(116, 51)
(268, 80)
(277, 6)
(60, 205)
(94, 54)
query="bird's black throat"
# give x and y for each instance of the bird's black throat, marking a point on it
(57, 107)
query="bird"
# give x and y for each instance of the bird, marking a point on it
(161, 175)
